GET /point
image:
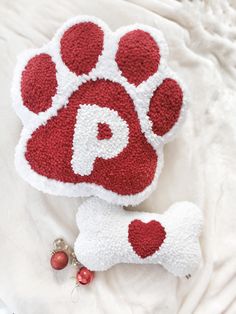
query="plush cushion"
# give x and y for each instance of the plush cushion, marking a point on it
(97, 107)
(110, 235)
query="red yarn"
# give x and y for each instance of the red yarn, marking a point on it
(38, 83)
(165, 106)
(81, 46)
(137, 56)
(146, 238)
(49, 151)
(104, 131)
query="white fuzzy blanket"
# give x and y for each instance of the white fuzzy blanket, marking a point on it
(199, 166)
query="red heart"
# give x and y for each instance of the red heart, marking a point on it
(146, 238)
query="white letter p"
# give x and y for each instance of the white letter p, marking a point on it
(87, 147)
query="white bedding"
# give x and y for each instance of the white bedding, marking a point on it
(199, 166)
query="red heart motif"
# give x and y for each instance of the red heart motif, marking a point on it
(146, 238)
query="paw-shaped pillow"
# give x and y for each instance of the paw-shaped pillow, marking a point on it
(97, 107)
(110, 235)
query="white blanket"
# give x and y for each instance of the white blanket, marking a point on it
(199, 167)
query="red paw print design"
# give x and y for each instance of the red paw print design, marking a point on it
(97, 108)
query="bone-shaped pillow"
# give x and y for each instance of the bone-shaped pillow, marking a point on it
(110, 235)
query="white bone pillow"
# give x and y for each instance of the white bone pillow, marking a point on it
(110, 235)
(97, 107)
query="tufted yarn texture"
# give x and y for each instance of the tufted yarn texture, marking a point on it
(81, 46)
(110, 235)
(97, 107)
(146, 238)
(39, 83)
(137, 56)
(199, 166)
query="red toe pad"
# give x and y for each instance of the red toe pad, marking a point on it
(38, 83)
(137, 56)
(81, 46)
(165, 106)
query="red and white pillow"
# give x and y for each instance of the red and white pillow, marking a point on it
(97, 107)
(110, 235)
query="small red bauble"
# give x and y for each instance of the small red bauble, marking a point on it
(59, 260)
(84, 276)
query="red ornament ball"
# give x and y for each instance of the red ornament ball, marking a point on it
(84, 276)
(59, 260)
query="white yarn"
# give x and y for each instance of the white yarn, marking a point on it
(69, 82)
(103, 239)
